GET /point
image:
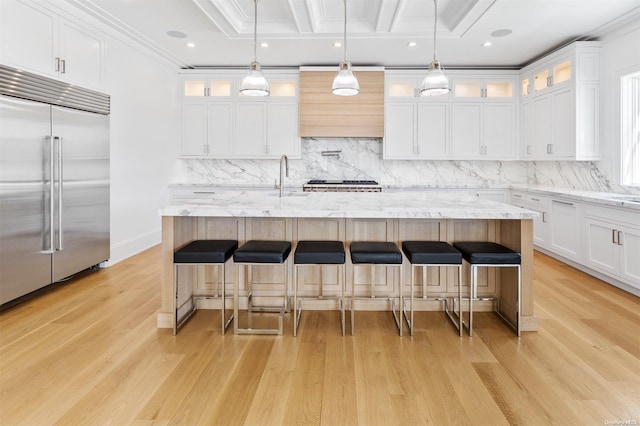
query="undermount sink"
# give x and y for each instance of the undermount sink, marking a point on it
(288, 194)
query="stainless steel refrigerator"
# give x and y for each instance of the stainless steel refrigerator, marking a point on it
(54, 182)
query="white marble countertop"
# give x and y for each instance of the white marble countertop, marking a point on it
(628, 201)
(427, 205)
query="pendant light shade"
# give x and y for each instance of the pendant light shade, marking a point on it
(345, 83)
(435, 83)
(254, 83)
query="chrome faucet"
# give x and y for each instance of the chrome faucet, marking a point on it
(284, 160)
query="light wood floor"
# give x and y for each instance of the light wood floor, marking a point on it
(90, 353)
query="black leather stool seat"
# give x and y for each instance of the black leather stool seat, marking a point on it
(431, 253)
(256, 251)
(319, 252)
(375, 252)
(205, 251)
(481, 252)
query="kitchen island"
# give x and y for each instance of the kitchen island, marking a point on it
(396, 217)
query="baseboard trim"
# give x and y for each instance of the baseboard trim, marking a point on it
(124, 249)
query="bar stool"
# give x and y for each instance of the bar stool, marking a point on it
(487, 254)
(202, 252)
(257, 252)
(433, 253)
(317, 253)
(381, 254)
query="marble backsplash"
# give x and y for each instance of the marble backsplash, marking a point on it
(361, 158)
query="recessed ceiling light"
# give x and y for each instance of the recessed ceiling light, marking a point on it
(176, 34)
(337, 44)
(264, 44)
(190, 44)
(412, 44)
(486, 44)
(501, 33)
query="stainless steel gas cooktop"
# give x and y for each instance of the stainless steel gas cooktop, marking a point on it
(328, 185)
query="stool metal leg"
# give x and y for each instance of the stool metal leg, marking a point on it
(409, 317)
(179, 322)
(516, 326)
(225, 322)
(474, 296)
(296, 313)
(251, 308)
(397, 316)
(297, 301)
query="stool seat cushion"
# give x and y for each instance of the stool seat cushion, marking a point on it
(375, 252)
(431, 252)
(481, 252)
(256, 251)
(205, 251)
(319, 252)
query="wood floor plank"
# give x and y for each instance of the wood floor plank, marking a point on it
(89, 352)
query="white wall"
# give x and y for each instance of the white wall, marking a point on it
(621, 55)
(144, 131)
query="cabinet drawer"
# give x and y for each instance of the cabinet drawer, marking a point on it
(613, 214)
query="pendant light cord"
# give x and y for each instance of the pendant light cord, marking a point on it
(435, 25)
(255, 30)
(345, 31)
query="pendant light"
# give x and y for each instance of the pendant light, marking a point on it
(435, 83)
(254, 83)
(345, 83)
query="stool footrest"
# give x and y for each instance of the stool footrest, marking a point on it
(278, 331)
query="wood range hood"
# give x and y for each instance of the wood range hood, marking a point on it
(323, 114)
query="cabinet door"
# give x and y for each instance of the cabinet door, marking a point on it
(194, 129)
(82, 53)
(282, 129)
(564, 229)
(400, 130)
(250, 129)
(601, 246)
(433, 131)
(466, 130)
(542, 124)
(28, 37)
(499, 130)
(629, 240)
(527, 130)
(220, 128)
(540, 228)
(563, 124)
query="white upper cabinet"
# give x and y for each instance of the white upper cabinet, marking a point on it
(415, 127)
(483, 117)
(38, 40)
(477, 120)
(560, 105)
(218, 122)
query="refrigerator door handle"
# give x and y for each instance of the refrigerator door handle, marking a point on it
(50, 217)
(60, 179)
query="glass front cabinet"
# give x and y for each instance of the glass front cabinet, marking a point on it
(559, 111)
(218, 122)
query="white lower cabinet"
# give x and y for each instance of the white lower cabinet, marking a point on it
(598, 237)
(565, 229)
(540, 205)
(613, 243)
